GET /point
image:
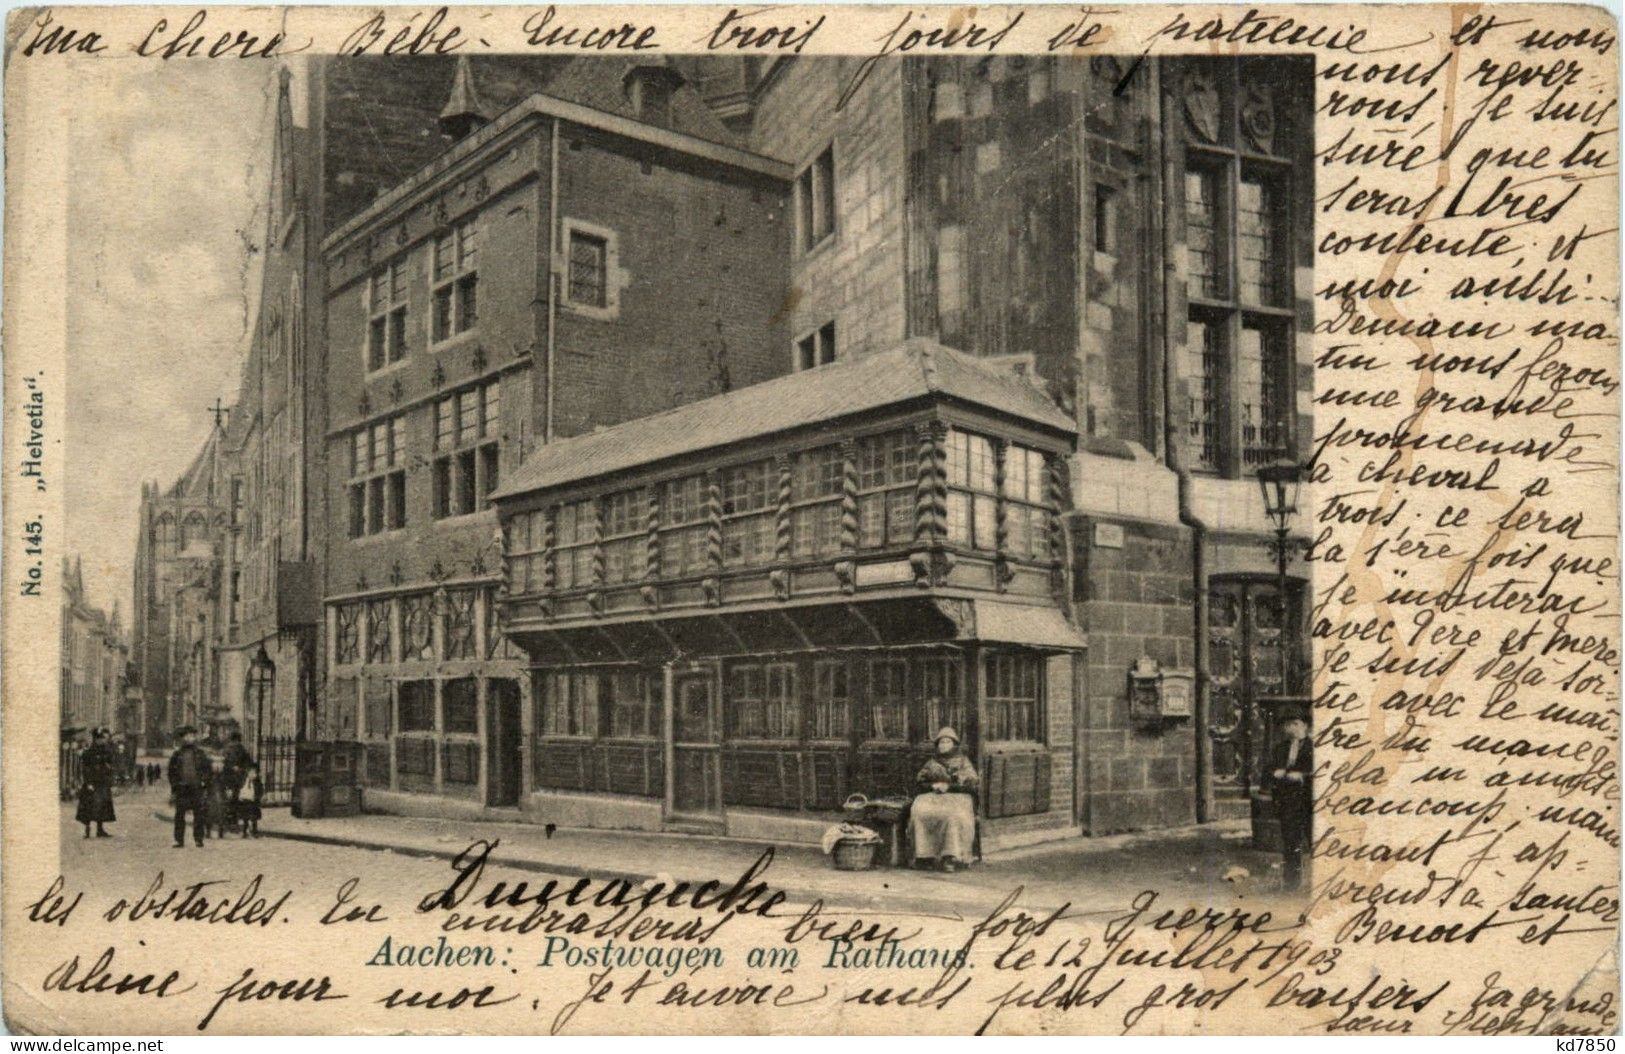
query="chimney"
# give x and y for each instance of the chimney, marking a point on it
(649, 85)
(464, 112)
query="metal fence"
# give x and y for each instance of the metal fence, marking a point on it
(276, 757)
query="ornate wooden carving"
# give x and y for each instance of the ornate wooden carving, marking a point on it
(651, 552)
(1258, 116)
(712, 583)
(846, 568)
(780, 575)
(595, 596)
(930, 502)
(1002, 571)
(549, 563)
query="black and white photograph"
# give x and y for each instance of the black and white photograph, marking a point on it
(930, 507)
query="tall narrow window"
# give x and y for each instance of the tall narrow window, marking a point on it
(1238, 204)
(377, 489)
(456, 289)
(589, 269)
(467, 442)
(386, 331)
(815, 200)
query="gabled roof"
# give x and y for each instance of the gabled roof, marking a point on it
(599, 83)
(915, 369)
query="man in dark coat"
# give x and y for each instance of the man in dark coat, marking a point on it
(97, 764)
(189, 774)
(233, 767)
(1292, 761)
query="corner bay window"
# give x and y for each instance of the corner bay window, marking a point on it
(974, 492)
(467, 447)
(615, 527)
(377, 490)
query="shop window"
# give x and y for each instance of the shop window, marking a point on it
(460, 698)
(467, 443)
(633, 704)
(938, 684)
(387, 310)
(417, 706)
(456, 278)
(888, 700)
(1014, 699)
(762, 701)
(831, 700)
(379, 707)
(568, 703)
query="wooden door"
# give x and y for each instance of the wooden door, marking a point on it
(502, 742)
(696, 747)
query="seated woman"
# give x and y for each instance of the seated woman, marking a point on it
(942, 820)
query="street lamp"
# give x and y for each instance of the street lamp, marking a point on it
(261, 681)
(1279, 482)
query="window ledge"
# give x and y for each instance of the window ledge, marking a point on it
(454, 341)
(462, 518)
(601, 314)
(377, 537)
(384, 371)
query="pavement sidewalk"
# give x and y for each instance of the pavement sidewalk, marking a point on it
(1195, 859)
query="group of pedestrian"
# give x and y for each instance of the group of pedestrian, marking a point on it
(216, 799)
(147, 773)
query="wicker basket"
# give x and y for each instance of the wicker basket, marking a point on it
(852, 855)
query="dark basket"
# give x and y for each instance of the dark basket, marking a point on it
(855, 856)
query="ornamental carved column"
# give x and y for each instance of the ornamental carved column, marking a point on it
(550, 560)
(595, 597)
(650, 590)
(930, 502)
(1002, 571)
(846, 567)
(712, 583)
(1054, 497)
(780, 575)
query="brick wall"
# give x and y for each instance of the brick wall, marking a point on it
(703, 273)
(1132, 601)
(857, 276)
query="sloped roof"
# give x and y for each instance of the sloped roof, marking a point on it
(599, 83)
(914, 369)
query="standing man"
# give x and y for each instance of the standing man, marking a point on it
(189, 772)
(97, 767)
(1291, 764)
(233, 767)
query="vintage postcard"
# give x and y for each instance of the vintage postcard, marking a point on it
(1010, 520)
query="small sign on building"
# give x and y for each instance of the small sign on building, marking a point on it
(1108, 536)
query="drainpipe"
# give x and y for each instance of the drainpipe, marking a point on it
(552, 275)
(1164, 177)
